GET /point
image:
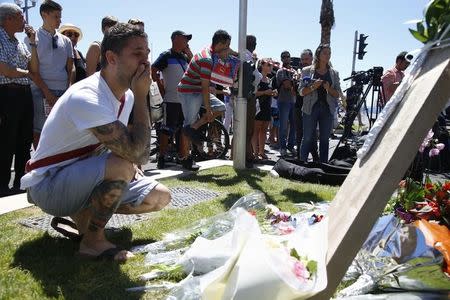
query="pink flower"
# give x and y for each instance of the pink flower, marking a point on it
(440, 146)
(433, 152)
(422, 147)
(426, 141)
(300, 271)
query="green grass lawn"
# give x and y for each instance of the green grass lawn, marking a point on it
(34, 265)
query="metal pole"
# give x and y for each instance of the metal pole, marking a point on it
(26, 10)
(240, 109)
(354, 51)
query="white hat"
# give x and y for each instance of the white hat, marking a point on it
(68, 26)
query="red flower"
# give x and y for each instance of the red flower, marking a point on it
(446, 186)
(435, 209)
(440, 195)
(402, 183)
(429, 197)
(429, 186)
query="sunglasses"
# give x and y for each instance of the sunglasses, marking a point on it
(55, 42)
(71, 33)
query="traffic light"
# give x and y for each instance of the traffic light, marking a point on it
(362, 44)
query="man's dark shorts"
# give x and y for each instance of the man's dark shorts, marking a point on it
(173, 117)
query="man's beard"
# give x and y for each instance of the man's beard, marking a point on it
(124, 79)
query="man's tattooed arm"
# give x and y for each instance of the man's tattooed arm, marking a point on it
(133, 145)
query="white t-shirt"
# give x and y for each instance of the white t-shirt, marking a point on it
(87, 104)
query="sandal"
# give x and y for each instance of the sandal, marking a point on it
(73, 236)
(263, 156)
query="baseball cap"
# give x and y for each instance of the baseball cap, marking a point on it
(179, 32)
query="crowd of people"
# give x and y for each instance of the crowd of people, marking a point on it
(87, 117)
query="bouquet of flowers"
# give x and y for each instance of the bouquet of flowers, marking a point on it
(428, 201)
(428, 206)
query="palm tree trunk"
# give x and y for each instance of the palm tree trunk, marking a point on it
(326, 21)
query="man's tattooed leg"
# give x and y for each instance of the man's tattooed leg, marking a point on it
(105, 200)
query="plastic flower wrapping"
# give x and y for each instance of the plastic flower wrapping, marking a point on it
(254, 251)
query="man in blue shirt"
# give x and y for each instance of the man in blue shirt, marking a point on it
(171, 64)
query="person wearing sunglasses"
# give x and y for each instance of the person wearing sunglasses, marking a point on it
(75, 34)
(55, 65)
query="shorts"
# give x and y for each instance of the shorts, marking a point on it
(39, 110)
(191, 103)
(67, 190)
(173, 117)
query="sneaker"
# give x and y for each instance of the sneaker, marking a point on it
(283, 152)
(189, 164)
(161, 162)
(291, 149)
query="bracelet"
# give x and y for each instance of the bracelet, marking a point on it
(33, 45)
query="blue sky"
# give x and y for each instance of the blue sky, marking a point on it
(278, 25)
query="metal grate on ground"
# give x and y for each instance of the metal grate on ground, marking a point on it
(187, 196)
(181, 197)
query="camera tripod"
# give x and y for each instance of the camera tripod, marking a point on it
(356, 99)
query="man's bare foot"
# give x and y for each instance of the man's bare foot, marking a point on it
(95, 247)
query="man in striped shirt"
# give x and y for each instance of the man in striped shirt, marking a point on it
(193, 92)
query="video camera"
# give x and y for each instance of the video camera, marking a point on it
(364, 77)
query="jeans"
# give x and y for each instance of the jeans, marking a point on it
(320, 114)
(39, 109)
(286, 110)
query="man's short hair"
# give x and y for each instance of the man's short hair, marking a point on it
(401, 56)
(109, 21)
(136, 22)
(8, 10)
(49, 6)
(284, 53)
(220, 36)
(116, 39)
(307, 51)
(251, 43)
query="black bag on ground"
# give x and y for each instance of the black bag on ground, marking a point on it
(311, 172)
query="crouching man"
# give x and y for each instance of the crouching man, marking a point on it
(85, 164)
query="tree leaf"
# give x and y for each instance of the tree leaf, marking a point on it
(421, 28)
